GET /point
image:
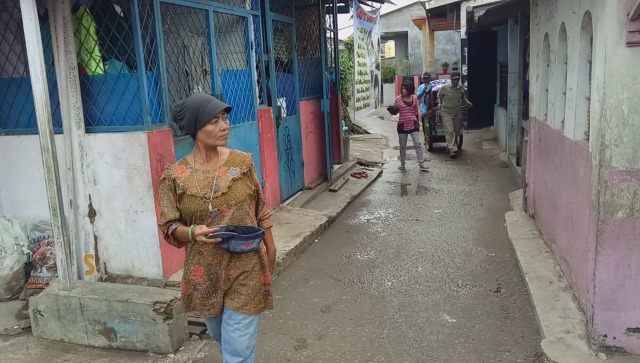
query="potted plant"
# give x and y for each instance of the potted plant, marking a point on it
(455, 65)
(389, 70)
(445, 67)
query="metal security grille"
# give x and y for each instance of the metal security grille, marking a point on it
(282, 7)
(259, 50)
(234, 66)
(185, 32)
(245, 4)
(329, 23)
(284, 66)
(308, 22)
(150, 49)
(17, 113)
(109, 79)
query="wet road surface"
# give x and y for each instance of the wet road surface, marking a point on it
(418, 269)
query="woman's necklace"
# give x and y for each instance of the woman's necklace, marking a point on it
(204, 197)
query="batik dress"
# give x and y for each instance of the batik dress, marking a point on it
(213, 278)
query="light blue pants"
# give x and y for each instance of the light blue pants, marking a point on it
(415, 136)
(236, 335)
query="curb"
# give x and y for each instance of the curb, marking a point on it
(289, 253)
(561, 321)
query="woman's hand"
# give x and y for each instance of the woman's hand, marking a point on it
(271, 249)
(201, 232)
(271, 260)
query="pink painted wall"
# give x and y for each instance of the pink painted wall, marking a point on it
(618, 284)
(162, 154)
(416, 83)
(314, 150)
(617, 263)
(269, 157)
(559, 195)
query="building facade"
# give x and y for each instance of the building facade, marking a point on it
(582, 165)
(273, 61)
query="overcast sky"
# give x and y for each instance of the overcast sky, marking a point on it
(345, 23)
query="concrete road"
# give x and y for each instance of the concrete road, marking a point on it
(418, 269)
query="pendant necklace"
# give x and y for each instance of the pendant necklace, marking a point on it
(204, 197)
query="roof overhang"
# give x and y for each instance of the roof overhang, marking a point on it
(435, 24)
(485, 17)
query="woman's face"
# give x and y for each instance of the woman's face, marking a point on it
(216, 132)
(404, 91)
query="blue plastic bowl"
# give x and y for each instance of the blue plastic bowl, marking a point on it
(239, 239)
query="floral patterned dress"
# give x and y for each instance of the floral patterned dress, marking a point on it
(212, 277)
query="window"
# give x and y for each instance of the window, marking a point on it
(561, 78)
(633, 26)
(544, 77)
(583, 107)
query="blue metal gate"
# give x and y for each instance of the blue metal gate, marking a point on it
(330, 72)
(210, 48)
(283, 83)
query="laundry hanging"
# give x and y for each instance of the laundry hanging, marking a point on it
(87, 46)
(115, 33)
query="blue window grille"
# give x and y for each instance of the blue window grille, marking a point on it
(283, 49)
(233, 43)
(119, 86)
(243, 4)
(259, 50)
(138, 57)
(187, 53)
(282, 7)
(308, 39)
(17, 111)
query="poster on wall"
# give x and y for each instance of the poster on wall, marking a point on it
(366, 40)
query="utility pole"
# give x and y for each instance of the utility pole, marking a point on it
(37, 72)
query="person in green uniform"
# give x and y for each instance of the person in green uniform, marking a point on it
(451, 97)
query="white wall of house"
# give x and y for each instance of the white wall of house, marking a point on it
(547, 18)
(126, 225)
(597, 117)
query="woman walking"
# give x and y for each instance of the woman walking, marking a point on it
(409, 111)
(216, 186)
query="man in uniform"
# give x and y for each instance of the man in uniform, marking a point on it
(451, 97)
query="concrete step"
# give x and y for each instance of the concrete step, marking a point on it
(307, 196)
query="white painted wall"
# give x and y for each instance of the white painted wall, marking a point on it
(500, 124)
(547, 16)
(127, 226)
(22, 190)
(123, 196)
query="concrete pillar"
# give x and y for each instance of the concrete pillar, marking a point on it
(82, 211)
(40, 88)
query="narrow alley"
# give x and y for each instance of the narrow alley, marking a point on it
(418, 269)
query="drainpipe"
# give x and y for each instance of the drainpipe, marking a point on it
(37, 72)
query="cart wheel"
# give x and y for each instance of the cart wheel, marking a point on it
(428, 139)
(460, 140)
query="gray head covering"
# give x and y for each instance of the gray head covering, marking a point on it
(194, 112)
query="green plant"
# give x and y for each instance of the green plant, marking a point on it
(445, 65)
(346, 76)
(455, 64)
(403, 66)
(388, 69)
